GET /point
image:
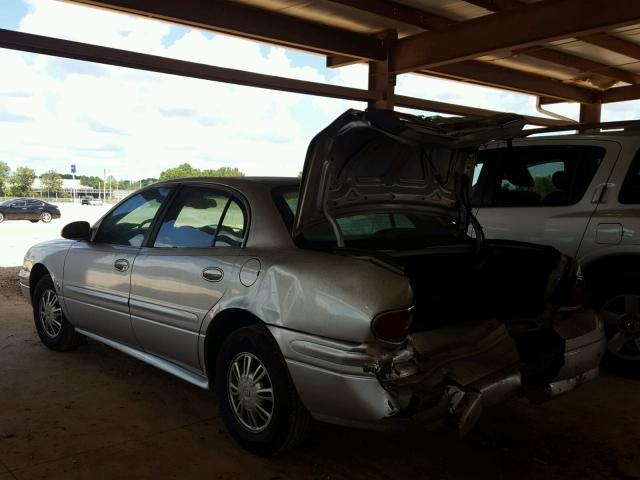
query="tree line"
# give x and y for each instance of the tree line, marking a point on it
(19, 183)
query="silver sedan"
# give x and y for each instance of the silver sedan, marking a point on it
(355, 297)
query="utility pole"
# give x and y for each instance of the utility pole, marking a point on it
(73, 185)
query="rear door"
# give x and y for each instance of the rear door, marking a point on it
(542, 191)
(97, 273)
(194, 258)
(34, 209)
(615, 226)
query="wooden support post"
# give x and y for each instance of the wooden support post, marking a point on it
(590, 113)
(381, 81)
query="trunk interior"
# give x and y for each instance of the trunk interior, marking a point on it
(507, 281)
(510, 282)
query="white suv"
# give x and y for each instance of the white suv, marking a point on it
(581, 194)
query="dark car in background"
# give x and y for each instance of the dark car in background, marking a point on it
(28, 209)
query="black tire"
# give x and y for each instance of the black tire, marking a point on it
(616, 297)
(46, 217)
(60, 338)
(1, 217)
(289, 422)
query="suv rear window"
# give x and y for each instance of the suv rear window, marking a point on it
(630, 191)
(534, 176)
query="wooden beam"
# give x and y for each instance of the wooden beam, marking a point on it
(381, 81)
(590, 113)
(487, 74)
(509, 29)
(452, 109)
(582, 65)
(602, 40)
(110, 56)
(416, 17)
(615, 44)
(399, 12)
(621, 94)
(496, 5)
(257, 24)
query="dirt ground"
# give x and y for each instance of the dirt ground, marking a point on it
(95, 413)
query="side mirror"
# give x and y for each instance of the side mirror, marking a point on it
(77, 231)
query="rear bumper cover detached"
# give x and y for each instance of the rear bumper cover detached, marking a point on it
(443, 376)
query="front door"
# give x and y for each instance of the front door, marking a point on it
(180, 278)
(17, 210)
(542, 192)
(97, 273)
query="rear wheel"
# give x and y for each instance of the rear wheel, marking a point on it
(53, 328)
(45, 217)
(619, 308)
(258, 401)
(1, 217)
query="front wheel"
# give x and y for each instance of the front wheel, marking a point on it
(53, 328)
(258, 401)
(45, 217)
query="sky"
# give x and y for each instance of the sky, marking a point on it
(57, 112)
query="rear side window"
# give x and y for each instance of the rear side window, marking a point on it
(202, 217)
(630, 191)
(129, 222)
(549, 175)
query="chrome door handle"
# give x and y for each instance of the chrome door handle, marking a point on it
(212, 274)
(121, 265)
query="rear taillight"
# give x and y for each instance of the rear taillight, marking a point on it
(392, 326)
(578, 297)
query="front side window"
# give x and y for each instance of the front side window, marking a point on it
(537, 176)
(129, 222)
(202, 217)
(630, 191)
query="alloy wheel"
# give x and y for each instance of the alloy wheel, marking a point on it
(1, 217)
(50, 313)
(46, 217)
(621, 315)
(250, 392)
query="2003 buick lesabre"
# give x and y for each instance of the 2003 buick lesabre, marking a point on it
(364, 296)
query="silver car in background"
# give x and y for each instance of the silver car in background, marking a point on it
(355, 296)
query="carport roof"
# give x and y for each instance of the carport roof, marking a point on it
(584, 51)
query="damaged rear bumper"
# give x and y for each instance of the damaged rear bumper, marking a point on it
(443, 376)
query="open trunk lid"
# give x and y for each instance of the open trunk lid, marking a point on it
(377, 160)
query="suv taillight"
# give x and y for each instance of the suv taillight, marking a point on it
(578, 297)
(392, 326)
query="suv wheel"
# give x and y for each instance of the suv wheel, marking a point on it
(45, 217)
(619, 308)
(53, 328)
(258, 402)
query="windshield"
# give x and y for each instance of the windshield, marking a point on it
(380, 230)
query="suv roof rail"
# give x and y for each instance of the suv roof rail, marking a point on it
(619, 125)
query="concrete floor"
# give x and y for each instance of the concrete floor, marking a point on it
(95, 413)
